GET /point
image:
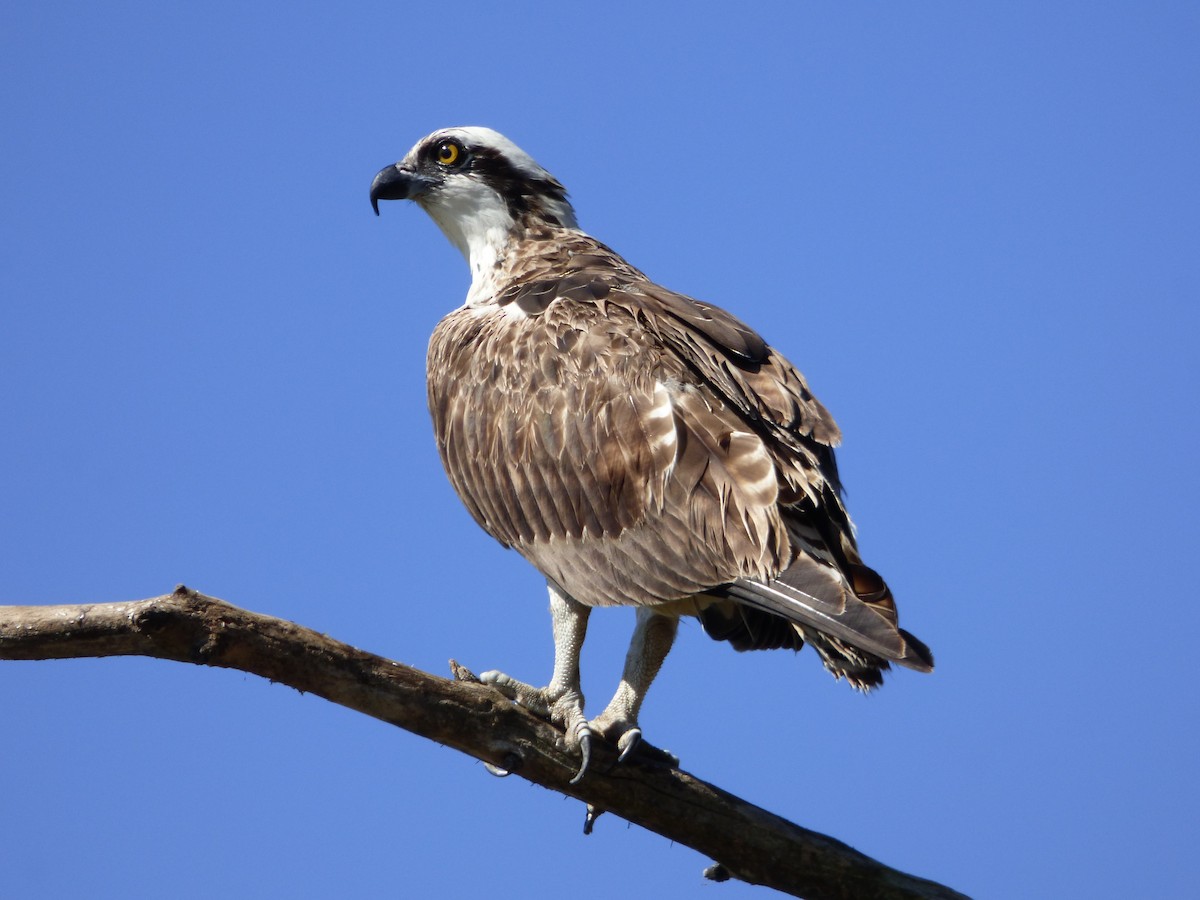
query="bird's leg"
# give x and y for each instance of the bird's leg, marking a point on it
(561, 701)
(652, 639)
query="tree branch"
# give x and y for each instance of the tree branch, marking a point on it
(748, 843)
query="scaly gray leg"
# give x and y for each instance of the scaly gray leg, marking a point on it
(561, 701)
(652, 639)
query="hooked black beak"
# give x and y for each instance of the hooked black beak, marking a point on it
(395, 183)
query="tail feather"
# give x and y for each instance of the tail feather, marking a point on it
(856, 623)
(850, 622)
(826, 597)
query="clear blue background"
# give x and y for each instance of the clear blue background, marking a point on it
(974, 227)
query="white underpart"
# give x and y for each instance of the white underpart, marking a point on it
(476, 220)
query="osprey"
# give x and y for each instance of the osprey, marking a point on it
(639, 447)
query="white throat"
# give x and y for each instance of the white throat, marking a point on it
(476, 220)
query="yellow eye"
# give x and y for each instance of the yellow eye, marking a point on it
(448, 153)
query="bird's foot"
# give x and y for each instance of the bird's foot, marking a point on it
(562, 707)
(623, 734)
(626, 736)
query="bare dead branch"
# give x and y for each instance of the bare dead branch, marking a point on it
(747, 842)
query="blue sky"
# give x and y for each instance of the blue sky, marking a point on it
(974, 228)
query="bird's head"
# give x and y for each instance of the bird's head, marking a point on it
(478, 186)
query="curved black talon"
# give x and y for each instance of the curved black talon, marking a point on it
(634, 736)
(585, 750)
(589, 820)
(512, 762)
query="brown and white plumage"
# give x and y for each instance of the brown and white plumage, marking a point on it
(640, 448)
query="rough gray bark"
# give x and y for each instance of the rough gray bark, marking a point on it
(747, 842)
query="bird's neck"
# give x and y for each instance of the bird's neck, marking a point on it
(486, 257)
(485, 229)
(500, 256)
